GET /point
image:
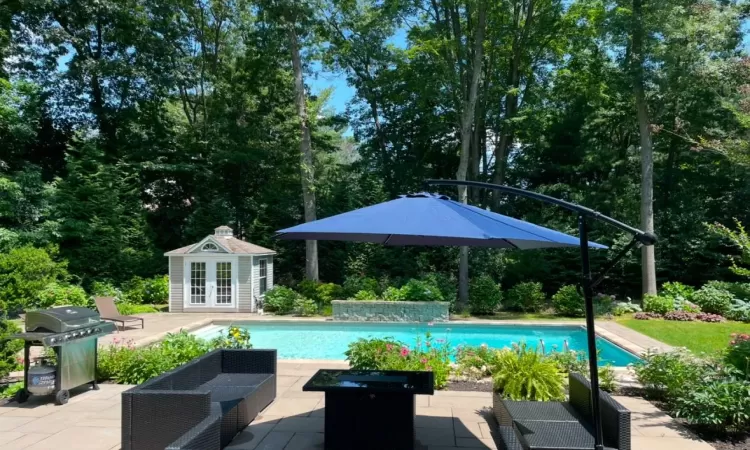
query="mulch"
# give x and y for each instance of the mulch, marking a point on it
(719, 441)
(474, 386)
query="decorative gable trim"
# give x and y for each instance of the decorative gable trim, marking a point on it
(198, 248)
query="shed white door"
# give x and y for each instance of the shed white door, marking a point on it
(210, 283)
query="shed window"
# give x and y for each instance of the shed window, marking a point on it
(262, 276)
(209, 247)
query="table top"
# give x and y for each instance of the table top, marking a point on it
(372, 381)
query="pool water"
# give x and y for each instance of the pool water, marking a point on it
(326, 340)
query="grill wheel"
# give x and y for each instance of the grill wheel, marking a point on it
(62, 397)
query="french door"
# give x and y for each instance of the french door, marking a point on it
(210, 283)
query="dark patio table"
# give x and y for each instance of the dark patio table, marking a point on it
(370, 409)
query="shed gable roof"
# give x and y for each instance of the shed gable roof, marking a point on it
(230, 244)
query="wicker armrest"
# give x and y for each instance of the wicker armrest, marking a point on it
(615, 417)
(204, 436)
(502, 415)
(506, 439)
(249, 361)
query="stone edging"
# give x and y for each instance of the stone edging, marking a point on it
(386, 311)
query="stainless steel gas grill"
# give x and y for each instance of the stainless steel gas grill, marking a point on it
(72, 332)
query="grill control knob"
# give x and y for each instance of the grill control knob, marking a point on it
(52, 340)
(66, 337)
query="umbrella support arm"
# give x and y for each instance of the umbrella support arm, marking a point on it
(616, 260)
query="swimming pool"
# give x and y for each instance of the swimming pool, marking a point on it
(329, 340)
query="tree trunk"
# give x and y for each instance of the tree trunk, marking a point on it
(467, 118)
(648, 260)
(307, 168)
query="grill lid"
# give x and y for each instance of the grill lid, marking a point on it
(58, 320)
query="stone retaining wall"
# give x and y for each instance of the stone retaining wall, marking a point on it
(382, 311)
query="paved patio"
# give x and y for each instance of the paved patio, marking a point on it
(445, 421)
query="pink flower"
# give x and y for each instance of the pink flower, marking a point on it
(404, 352)
(20, 360)
(429, 324)
(744, 336)
(389, 347)
(733, 342)
(423, 360)
(428, 368)
(115, 340)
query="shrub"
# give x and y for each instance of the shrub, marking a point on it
(707, 317)
(156, 290)
(24, 272)
(620, 308)
(720, 404)
(739, 311)
(738, 354)
(56, 294)
(484, 295)
(309, 289)
(352, 285)
(647, 316)
(658, 304)
(388, 354)
(393, 294)
(447, 285)
(127, 309)
(667, 374)
(134, 291)
(421, 291)
(106, 289)
(280, 300)
(680, 316)
(713, 300)
(568, 302)
(365, 295)
(689, 307)
(607, 379)
(524, 374)
(527, 296)
(328, 292)
(603, 304)
(570, 361)
(677, 290)
(305, 307)
(9, 348)
(738, 290)
(476, 362)
(10, 390)
(236, 338)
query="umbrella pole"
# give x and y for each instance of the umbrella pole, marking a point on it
(590, 332)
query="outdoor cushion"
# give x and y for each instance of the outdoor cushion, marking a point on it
(555, 435)
(548, 411)
(237, 379)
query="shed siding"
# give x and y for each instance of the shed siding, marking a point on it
(176, 279)
(244, 289)
(256, 274)
(270, 271)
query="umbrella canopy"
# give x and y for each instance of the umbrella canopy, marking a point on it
(431, 219)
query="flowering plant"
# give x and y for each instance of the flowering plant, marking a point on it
(236, 338)
(738, 354)
(476, 362)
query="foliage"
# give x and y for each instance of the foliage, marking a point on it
(447, 285)
(708, 317)
(524, 374)
(680, 316)
(741, 240)
(740, 291)
(393, 294)
(355, 284)
(236, 338)
(689, 307)
(56, 294)
(658, 304)
(603, 304)
(621, 308)
(127, 309)
(387, 354)
(739, 311)
(713, 300)
(365, 295)
(9, 348)
(647, 316)
(280, 300)
(669, 374)
(153, 291)
(106, 289)
(420, 291)
(484, 295)
(677, 290)
(476, 362)
(607, 379)
(327, 292)
(720, 404)
(738, 353)
(568, 302)
(527, 296)
(10, 390)
(24, 272)
(305, 307)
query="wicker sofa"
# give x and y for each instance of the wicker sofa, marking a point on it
(201, 405)
(567, 425)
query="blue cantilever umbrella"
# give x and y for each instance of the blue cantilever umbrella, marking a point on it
(430, 219)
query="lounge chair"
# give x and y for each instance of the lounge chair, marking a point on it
(108, 311)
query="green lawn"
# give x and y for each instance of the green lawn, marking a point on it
(697, 336)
